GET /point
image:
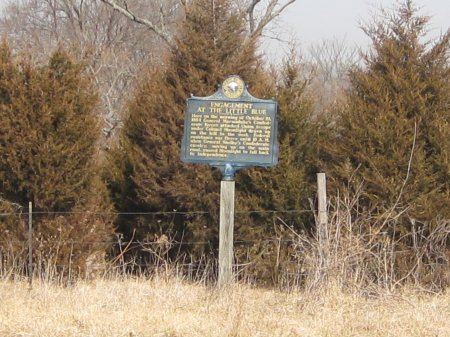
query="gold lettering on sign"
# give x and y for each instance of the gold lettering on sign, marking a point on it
(229, 128)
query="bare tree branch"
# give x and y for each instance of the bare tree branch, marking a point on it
(110, 44)
(124, 10)
(251, 14)
(257, 23)
(273, 9)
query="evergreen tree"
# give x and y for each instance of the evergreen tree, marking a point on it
(9, 223)
(47, 150)
(392, 133)
(271, 198)
(287, 186)
(146, 172)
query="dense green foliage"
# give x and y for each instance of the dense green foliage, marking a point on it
(392, 133)
(48, 134)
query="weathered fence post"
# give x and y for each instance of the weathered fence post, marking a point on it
(30, 244)
(322, 221)
(322, 202)
(226, 232)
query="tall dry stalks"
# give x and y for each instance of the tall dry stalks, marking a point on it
(364, 254)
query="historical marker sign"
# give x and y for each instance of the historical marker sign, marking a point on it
(230, 130)
(230, 127)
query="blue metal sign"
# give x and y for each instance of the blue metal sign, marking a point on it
(230, 129)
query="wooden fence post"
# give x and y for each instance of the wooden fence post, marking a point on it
(322, 199)
(30, 244)
(226, 232)
(322, 220)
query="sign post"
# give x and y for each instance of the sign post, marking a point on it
(226, 230)
(230, 130)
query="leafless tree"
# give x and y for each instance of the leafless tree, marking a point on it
(259, 14)
(157, 24)
(331, 61)
(113, 47)
(112, 36)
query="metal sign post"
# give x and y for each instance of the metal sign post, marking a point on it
(230, 130)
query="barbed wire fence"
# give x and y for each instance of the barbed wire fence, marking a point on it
(128, 254)
(339, 244)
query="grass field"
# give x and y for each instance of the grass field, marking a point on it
(139, 307)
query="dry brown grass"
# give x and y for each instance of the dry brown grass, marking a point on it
(139, 307)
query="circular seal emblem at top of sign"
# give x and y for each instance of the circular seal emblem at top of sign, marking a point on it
(233, 87)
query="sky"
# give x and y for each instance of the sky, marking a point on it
(313, 21)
